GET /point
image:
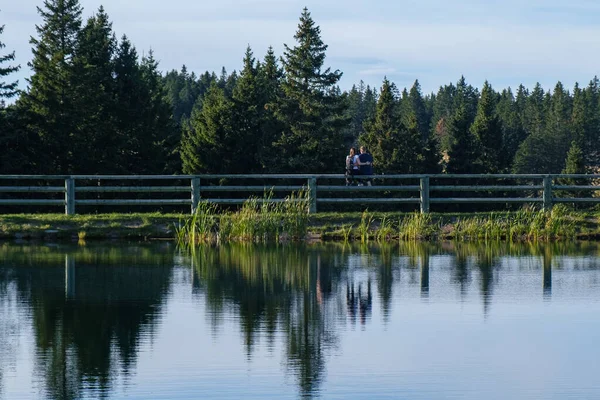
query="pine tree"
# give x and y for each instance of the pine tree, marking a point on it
(310, 107)
(488, 130)
(52, 113)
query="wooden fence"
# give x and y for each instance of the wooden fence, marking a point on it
(71, 191)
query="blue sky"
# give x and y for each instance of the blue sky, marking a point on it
(507, 42)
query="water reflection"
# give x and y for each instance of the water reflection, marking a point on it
(547, 272)
(89, 307)
(276, 289)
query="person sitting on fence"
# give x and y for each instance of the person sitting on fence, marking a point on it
(365, 161)
(351, 167)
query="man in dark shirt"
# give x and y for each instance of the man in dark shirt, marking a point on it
(365, 160)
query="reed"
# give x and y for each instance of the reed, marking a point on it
(418, 226)
(257, 220)
(364, 226)
(386, 231)
(527, 224)
(200, 227)
(346, 232)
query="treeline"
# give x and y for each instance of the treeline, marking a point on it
(94, 106)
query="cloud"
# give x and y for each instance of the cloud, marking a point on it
(378, 71)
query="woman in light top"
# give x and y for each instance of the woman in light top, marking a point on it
(351, 167)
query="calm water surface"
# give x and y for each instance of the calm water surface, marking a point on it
(412, 321)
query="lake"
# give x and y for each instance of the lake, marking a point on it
(331, 321)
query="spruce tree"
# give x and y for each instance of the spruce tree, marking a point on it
(310, 107)
(416, 106)
(94, 85)
(51, 110)
(545, 149)
(12, 139)
(269, 75)
(488, 130)
(415, 115)
(355, 112)
(463, 153)
(533, 154)
(395, 146)
(182, 91)
(443, 110)
(574, 164)
(590, 143)
(369, 104)
(209, 137)
(509, 110)
(128, 91)
(7, 89)
(159, 136)
(381, 136)
(534, 111)
(249, 102)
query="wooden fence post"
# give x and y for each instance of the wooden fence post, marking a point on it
(424, 192)
(547, 193)
(312, 195)
(70, 196)
(195, 193)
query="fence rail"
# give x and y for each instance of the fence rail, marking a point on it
(423, 190)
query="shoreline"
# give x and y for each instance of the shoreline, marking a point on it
(321, 227)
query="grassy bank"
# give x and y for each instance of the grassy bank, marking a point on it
(267, 225)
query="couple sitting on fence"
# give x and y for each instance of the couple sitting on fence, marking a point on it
(358, 164)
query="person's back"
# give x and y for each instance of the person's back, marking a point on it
(365, 161)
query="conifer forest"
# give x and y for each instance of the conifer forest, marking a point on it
(93, 105)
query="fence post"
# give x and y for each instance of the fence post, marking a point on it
(424, 191)
(195, 193)
(70, 196)
(547, 193)
(312, 195)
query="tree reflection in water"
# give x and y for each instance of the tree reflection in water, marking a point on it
(301, 291)
(88, 334)
(90, 306)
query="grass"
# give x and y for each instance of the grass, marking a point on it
(263, 221)
(258, 220)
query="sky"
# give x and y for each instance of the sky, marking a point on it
(506, 42)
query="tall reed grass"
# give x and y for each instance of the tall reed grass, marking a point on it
(418, 226)
(258, 220)
(526, 224)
